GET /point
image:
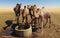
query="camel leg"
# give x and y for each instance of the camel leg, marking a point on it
(32, 21)
(42, 23)
(18, 20)
(36, 22)
(49, 22)
(26, 18)
(40, 20)
(46, 22)
(23, 18)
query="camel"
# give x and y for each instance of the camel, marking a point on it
(25, 14)
(17, 12)
(36, 15)
(30, 11)
(46, 16)
(39, 14)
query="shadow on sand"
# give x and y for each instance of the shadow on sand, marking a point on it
(10, 23)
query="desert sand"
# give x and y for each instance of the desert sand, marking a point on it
(52, 32)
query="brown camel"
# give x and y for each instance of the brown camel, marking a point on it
(17, 12)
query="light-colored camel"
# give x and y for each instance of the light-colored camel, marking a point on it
(46, 16)
(41, 15)
(25, 14)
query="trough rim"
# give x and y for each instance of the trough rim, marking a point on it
(22, 29)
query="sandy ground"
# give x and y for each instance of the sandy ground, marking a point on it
(52, 32)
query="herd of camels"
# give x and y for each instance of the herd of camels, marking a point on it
(37, 15)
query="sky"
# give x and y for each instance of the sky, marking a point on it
(39, 3)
